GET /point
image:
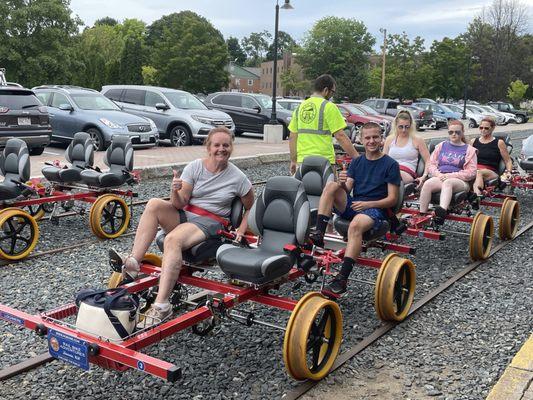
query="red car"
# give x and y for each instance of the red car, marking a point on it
(357, 115)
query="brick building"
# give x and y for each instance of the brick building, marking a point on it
(245, 80)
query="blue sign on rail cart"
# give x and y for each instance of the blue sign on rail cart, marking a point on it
(69, 349)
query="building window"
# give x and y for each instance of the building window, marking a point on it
(250, 82)
(238, 82)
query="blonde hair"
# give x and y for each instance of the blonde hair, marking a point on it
(405, 115)
(457, 122)
(218, 129)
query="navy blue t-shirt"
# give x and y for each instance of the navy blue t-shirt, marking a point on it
(372, 176)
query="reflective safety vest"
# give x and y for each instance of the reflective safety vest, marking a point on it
(314, 135)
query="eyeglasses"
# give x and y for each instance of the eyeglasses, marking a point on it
(484, 128)
(404, 127)
(455, 132)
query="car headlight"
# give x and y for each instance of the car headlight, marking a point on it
(203, 120)
(152, 124)
(109, 124)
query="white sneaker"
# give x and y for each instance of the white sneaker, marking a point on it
(154, 316)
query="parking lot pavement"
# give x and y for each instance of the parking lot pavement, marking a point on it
(247, 145)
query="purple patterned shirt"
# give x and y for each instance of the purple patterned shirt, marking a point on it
(451, 157)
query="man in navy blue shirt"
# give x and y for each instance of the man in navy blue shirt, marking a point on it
(362, 194)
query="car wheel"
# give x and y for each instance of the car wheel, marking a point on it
(472, 124)
(520, 119)
(180, 136)
(98, 139)
(237, 132)
(36, 151)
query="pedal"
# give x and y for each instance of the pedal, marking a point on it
(115, 261)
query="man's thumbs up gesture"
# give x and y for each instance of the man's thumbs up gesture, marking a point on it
(177, 183)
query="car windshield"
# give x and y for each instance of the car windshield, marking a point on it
(265, 101)
(445, 108)
(454, 108)
(353, 110)
(367, 109)
(476, 109)
(185, 101)
(93, 101)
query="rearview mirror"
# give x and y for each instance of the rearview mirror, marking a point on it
(66, 107)
(161, 106)
(257, 108)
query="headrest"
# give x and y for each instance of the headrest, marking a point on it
(315, 172)
(282, 187)
(81, 148)
(15, 159)
(120, 152)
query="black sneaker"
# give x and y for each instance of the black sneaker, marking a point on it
(440, 215)
(317, 238)
(336, 287)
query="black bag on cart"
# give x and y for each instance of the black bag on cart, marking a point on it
(109, 313)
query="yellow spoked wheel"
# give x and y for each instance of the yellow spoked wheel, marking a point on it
(109, 217)
(19, 234)
(152, 258)
(395, 288)
(509, 218)
(481, 234)
(313, 337)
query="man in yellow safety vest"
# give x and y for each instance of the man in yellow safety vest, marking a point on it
(314, 124)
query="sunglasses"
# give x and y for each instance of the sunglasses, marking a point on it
(455, 132)
(404, 127)
(484, 128)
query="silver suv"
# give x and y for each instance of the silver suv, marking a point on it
(179, 116)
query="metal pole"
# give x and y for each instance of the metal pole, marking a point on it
(273, 117)
(382, 92)
(466, 86)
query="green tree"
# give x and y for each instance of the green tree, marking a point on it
(340, 47)
(36, 41)
(255, 47)
(106, 21)
(516, 92)
(286, 44)
(149, 74)
(236, 53)
(131, 62)
(294, 83)
(449, 59)
(189, 53)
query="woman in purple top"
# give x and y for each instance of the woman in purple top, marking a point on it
(452, 165)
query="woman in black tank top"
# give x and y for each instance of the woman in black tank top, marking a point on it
(490, 151)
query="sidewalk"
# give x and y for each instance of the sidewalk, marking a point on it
(516, 383)
(158, 161)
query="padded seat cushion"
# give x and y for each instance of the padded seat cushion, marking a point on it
(203, 251)
(55, 174)
(341, 226)
(8, 190)
(103, 179)
(457, 197)
(527, 165)
(252, 265)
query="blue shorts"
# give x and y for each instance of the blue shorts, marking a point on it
(377, 214)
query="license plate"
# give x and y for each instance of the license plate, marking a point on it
(69, 349)
(24, 121)
(145, 139)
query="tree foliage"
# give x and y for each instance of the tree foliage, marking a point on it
(189, 53)
(294, 83)
(236, 53)
(286, 44)
(36, 39)
(516, 92)
(256, 46)
(340, 47)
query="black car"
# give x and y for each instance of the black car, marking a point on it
(521, 116)
(23, 116)
(249, 111)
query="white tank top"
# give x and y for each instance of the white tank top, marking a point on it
(406, 155)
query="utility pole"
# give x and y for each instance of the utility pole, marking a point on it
(384, 31)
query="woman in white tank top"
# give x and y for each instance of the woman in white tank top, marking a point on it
(405, 147)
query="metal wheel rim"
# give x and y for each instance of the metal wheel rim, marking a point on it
(16, 228)
(109, 216)
(320, 341)
(95, 138)
(179, 137)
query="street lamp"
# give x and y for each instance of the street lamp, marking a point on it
(467, 76)
(286, 6)
(384, 31)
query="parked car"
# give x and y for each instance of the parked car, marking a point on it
(521, 116)
(474, 118)
(289, 104)
(249, 111)
(527, 149)
(505, 117)
(370, 111)
(178, 115)
(73, 109)
(424, 100)
(476, 108)
(440, 109)
(383, 106)
(23, 116)
(357, 117)
(423, 118)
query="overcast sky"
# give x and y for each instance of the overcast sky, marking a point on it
(431, 19)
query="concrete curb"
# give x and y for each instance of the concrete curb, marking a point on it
(165, 170)
(516, 382)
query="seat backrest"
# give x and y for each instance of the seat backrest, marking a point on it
(119, 154)
(80, 151)
(15, 160)
(314, 173)
(433, 143)
(281, 214)
(237, 210)
(420, 165)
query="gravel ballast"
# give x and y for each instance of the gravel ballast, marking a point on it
(462, 341)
